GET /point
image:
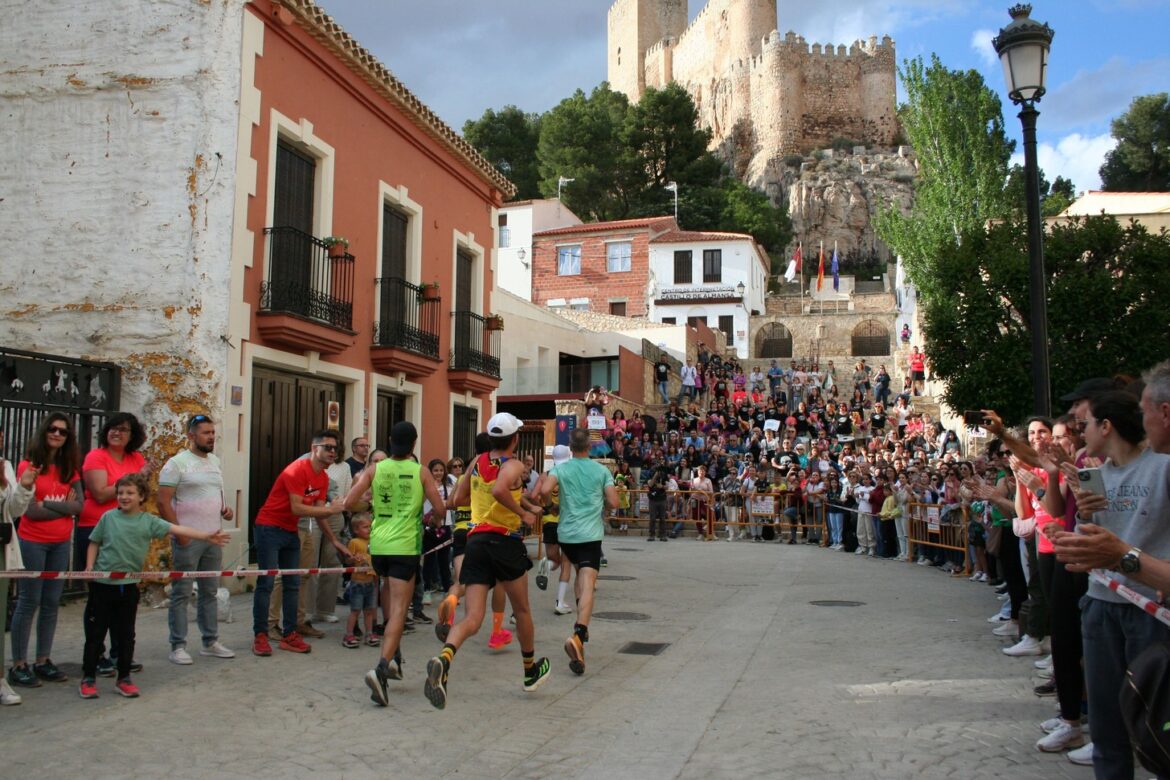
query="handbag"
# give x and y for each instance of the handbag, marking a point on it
(1024, 527)
(994, 539)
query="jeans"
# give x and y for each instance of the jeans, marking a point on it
(900, 526)
(276, 548)
(658, 518)
(111, 608)
(878, 542)
(1114, 636)
(836, 524)
(39, 598)
(663, 393)
(306, 559)
(195, 555)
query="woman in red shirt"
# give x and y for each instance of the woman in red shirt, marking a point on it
(44, 533)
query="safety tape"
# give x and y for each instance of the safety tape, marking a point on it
(1149, 606)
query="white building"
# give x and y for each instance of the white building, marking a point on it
(517, 222)
(717, 278)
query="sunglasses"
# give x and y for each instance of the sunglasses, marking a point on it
(58, 430)
(328, 447)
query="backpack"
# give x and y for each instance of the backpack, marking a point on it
(1145, 707)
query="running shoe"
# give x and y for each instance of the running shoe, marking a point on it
(8, 697)
(349, 640)
(88, 688)
(127, 688)
(1082, 756)
(217, 650)
(435, 688)
(105, 667)
(562, 609)
(535, 677)
(49, 672)
(371, 641)
(542, 574)
(295, 644)
(23, 677)
(260, 646)
(575, 649)
(376, 680)
(499, 639)
(422, 617)
(604, 562)
(446, 617)
(394, 666)
(1063, 738)
(1045, 689)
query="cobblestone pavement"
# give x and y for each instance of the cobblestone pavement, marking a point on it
(755, 682)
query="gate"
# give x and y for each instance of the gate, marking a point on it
(532, 443)
(871, 338)
(774, 341)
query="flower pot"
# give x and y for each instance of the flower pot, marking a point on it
(337, 251)
(495, 322)
(429, 292)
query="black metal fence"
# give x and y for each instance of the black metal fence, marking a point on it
(406, 319)
(303, 279)
(474, 347)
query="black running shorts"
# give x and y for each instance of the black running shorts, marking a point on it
(549, 533)
(399, 567)
(586, 555)
(458, 542)
(492, 558)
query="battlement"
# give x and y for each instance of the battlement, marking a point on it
(796, 44)
(658, 48)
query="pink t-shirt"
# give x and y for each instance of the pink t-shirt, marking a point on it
(101, 459)
(1043, 543)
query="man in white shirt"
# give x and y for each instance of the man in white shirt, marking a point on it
(688, 375)
(14, 499)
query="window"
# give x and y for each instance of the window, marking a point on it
(505, 233)
(465, 424)
(568, 260)
(682, 266)
(693, 321)
(727, 325)
(617, 256)
(669, 320)
(712, 265)
(617, 308)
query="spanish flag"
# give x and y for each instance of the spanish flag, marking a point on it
(821, 269)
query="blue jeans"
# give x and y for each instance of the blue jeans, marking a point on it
(663, 393)
(1114, 635)
(38, 595)
(276, 548)
(195, 555)
(836, 523)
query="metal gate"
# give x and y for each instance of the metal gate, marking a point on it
(532, 443)
(871, 338)
(774, 341)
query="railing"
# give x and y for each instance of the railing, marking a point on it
(474, 347)
(938, 526)
(304, 280)
(407, 321)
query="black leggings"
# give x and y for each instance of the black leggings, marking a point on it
(111, 608)
(1065, 589)
(1013, 571)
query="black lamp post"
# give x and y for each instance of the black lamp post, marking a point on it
(1022, 47)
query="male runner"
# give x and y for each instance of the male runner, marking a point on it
(586, 491)
(495, 555)
(549, 522)
(397, 487)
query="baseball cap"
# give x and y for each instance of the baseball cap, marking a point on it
(1088, 389)
(560, 454)
(503, 424)
(402, 438)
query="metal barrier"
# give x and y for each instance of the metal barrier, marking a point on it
(940, 526)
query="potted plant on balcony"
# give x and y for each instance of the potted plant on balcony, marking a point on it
(336, 246)
(493, 322)
(428, 292)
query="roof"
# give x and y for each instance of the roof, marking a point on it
(650, 223)
(330, 34)
(606, 323)
(691, 236)
(1095, 202)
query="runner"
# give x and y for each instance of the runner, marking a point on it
(495, 554)
(586, 490)
(398, 486)
(560, 454)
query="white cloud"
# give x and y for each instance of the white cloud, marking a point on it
(1091, 98)
(981, 43)
(1076, 157)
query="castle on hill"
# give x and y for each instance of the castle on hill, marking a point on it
(743, 75)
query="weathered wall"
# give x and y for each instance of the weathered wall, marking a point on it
(118, 172)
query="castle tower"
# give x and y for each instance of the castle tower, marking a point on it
(878, 84)
(749, 22)
(634, 26)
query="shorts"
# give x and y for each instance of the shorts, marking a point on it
(458, 542)
(399, 567)
(586, 555)
(918, 376)
(549, 533)
(492, 558)
(361, 596)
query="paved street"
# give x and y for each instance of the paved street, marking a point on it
(756, 682)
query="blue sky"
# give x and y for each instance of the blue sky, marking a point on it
(464, 56)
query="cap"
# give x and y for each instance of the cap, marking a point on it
(503, 424)
(560, 454)
(402, 438)
(1088, 389)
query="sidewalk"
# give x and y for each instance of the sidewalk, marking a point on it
(755, 682)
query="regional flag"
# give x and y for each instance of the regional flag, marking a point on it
(836, 277)
(821, 269)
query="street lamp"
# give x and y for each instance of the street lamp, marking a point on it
(673, 187)
(740, 289)
(1023, 47)
(561, 182)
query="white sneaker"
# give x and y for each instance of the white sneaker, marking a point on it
(1052, 724)
(8, 697)
(331, 618)
(1003, 597)
(562, 609)
(180, 656)
(426, 599)
(1010, 628)
(1065, 737)
(1044, 662)
(1026, 646)
(1082, 756)
(216, 650)
(859, 551)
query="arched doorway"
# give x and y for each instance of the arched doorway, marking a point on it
(774, 341)
(871, 338)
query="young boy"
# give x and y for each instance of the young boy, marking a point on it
(362, 587)
(120, 542)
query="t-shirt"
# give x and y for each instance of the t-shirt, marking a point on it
(198, 484)
(917, 362)
(125, 540)
(300, 479)
(661, 371)
(582, 485)
(48, 487)
(101, 459)
(355, 466)
(360, 550)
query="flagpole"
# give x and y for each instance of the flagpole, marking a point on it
(800, 274)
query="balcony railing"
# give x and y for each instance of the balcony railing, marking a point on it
(406, 321)
(304, 280)
(474, 347)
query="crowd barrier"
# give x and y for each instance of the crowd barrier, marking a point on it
(938, 526)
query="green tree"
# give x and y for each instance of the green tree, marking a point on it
(507, 138)
(977, 324)
(1054, 197)
(664, 143)
(1141, 160)
(955, 124)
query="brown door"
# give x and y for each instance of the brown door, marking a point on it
(391, 409)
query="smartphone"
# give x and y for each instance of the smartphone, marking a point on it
(974, 418)
(1091, 480)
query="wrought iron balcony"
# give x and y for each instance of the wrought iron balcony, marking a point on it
(474, 347)
(406, 320)
(303, 280)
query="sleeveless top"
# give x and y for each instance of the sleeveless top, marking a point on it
(396, 503)
(487, 514)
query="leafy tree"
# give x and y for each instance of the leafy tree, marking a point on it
(1060, 197)
(508, 139)
(977, 324)
(665, 143)
(1141, 160)
(1054, 198)
(956, 127)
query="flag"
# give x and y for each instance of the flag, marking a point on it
(790, 273)
(797, 258)
(836, 277)
(821, 269)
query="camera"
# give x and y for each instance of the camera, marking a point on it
(974, 418)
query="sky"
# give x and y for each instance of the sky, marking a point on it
(462, 57)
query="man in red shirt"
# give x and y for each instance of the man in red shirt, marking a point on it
(301, 490)
(917, 372)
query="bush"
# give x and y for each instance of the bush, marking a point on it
(793, 160)
(844, 144)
